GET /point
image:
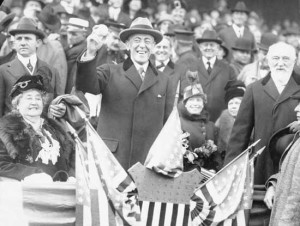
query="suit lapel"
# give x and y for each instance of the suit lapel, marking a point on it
(215, 71)
(133, 75)
(271, 89)
(150, 78)
(203, 70)
(289, 90)
(17, 69)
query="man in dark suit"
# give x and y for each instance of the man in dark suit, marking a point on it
(267, 106)
(27, 39)
(136, 98)
(213, 73)
(238, 29)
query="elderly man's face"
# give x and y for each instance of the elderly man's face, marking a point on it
(209, 49)
(281, 59)
(141, 47)
(163, 50)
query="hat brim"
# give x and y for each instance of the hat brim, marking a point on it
(262, 47)
(40, 34)
(53, 27)
(200, 40)
(238, 10)
(248, 50)
(6, 21)
(125, 34)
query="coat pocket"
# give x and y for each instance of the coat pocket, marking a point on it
(112, 144)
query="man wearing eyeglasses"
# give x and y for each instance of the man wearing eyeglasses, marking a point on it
(136, 97)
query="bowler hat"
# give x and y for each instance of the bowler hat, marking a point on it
(240, 7)
(117, 27)
(184, 35)
(39, 1)
(141, 25)
(242, 44)
(234, 88)
(209, 36)
(267, 39)
(27, 82)
(49, 19)
(5, 20)
(27, 26)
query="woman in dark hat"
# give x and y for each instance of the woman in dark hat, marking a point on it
(283, 188)
(202, 132)
(32, 146)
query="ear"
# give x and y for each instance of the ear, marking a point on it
(127, 43)
(39, 42)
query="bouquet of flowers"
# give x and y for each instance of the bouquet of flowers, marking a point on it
(201, 154)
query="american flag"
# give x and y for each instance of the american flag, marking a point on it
(166, 153)
(224, 199)
(119, 189)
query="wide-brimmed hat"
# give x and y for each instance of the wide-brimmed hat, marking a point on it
(50, 20)
(209, 36)
(141, 25)
(77, 24)
(240, 7)
(27, 82)
(267, 39)
(27, 26)
(5, 20)
(243, 44)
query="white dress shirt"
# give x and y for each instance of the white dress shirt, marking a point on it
(238, 30)
(25, 61)
(212, 61)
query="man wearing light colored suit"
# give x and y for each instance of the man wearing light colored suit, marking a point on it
(27, 39)
(136, 98)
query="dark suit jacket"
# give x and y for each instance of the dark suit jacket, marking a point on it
(264, 111)
(213, 85)
(132, 112)
(12, 71)
(229, 36)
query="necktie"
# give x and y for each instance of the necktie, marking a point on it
(142, 73)
(29, 66)
(208, 68)
(159, 67)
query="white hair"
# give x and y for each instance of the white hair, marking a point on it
(279, 46)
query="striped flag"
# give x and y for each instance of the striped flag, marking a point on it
(224, 198)
(118, 187)
(167, 157)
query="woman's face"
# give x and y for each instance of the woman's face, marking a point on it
(297, 110)
(30, 103)
(194, 105)
(234, 105)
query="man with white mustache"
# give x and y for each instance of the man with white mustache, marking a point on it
(136, 97)
(267, 106)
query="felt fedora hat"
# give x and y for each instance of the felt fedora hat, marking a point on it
(50, 20)
(5, 20)
(27, 26)
(267, 39)
(242, 44)
(240, 7)
(114, 26)
(209, 36)
(141, 25)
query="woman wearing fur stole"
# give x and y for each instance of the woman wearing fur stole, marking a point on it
(202, 132)
(233, 97)
(33, 147)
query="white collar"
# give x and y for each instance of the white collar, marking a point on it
(25, 60)
(212, 61)
(157, 63)
(144, 66)
(238, 29)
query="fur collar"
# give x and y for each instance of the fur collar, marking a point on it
(128, 63)
(20, 139)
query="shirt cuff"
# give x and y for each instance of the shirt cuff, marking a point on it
(86, 58)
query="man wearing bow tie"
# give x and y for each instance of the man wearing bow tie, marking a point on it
(136, 97)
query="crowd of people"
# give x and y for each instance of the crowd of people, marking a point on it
(232, 80)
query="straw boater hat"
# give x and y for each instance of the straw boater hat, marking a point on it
(77, 24)
(5, 20)
(27, 26)
(141, 26)
(50, 20)
(209, 36)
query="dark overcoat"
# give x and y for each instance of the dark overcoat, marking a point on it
(229, 36)
(264, 111)
(213, 86)
(13, 70)
(132, 112)
(20, 145)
